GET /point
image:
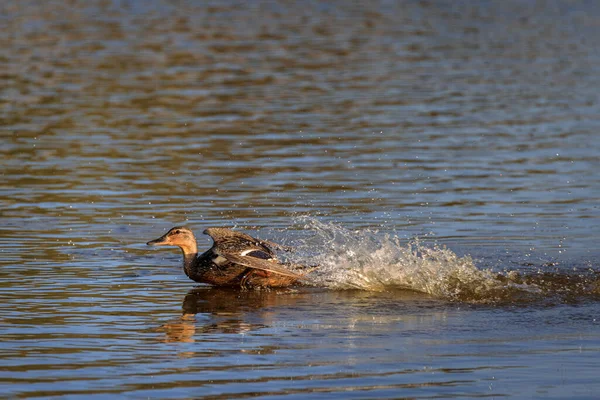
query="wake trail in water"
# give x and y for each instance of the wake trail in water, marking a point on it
(367, 260)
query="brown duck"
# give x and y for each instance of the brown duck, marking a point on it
(235, 259)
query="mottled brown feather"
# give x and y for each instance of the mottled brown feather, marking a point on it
(226, 239)
(265, 265)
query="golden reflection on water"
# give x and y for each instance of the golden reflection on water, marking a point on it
(226, 310)
(182, 329)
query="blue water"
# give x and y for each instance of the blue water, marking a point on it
(437, 160)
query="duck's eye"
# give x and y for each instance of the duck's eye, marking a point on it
(177, 232)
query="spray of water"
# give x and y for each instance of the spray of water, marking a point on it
(367, 260)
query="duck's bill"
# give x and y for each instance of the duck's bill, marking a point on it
(158, 242)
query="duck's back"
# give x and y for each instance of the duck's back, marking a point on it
(232, 242)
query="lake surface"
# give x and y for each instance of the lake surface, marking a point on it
(437, 160)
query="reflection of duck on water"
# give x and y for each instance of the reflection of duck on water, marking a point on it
(226, 311)
(235, 259)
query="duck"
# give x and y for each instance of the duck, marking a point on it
(235, 259)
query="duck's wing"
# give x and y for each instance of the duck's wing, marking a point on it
(259, 263)
(218, 233)
(232, 241)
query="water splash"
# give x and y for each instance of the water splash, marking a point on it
(367, 260)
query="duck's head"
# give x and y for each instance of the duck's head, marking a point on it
(180, 236)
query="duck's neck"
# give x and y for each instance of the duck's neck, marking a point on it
(188, 262)
(189, 257)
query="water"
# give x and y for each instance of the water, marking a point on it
(437, 160)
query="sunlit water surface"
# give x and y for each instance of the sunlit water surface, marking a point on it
(437, 160)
